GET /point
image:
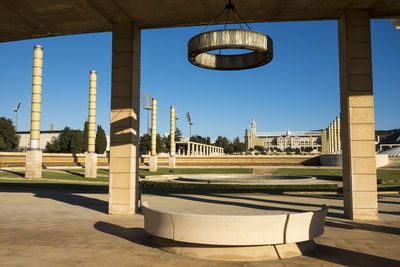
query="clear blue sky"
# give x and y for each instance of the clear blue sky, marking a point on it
(298, 90)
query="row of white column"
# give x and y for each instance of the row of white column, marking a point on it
(198, 149)
(191, 148)
(330, 138)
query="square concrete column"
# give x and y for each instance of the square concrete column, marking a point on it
(357, 117)
(124, 131)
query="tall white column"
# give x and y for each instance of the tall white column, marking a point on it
(33, 165)
(172, 138)
(153, 156)
(91, 156)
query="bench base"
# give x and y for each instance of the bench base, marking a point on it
(234, 253)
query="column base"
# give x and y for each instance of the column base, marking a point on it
(361, 214)
(153, 163)
(33, 165)
(90, 165)
(172, 162)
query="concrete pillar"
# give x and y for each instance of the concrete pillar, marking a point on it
(339, 146)
(153, 156)
(322, 141)
(33, 165)
(125, 112)
(172, 138)
(326, 141)
(330, 139)
(91, 156)
(334, 129)
(357, 116)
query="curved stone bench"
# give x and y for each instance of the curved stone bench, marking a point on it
(282, 235)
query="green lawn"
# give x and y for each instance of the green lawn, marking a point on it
(72, 175)
(319, 171)
(99, 171)
(387, 179)
(163, 171)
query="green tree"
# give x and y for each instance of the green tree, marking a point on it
(259, 148)
(145, 143)
(160, 144)
(77, 142)
(224, 143)
(53, 146)
(167, 140)
(101, 140)
(65, 138)
(86, 135)
(238, 146)
(178, 135)
(8, 137)
(200, 139)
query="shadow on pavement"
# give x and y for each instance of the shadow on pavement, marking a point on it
(77, 200)
(349, 258)
(362, 226)
(136, 235)
(69, 196)
(330, 214)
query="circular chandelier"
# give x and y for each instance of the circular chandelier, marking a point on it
(258, 43)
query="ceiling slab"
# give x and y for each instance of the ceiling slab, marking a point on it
(25, 19)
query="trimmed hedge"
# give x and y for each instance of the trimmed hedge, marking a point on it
(153, 186)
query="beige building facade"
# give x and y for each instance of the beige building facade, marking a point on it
(275, 141)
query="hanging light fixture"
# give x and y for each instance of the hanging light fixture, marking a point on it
(260, 44)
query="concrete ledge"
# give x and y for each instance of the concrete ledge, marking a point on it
(336, 160)
(233, 253)
(223, 236)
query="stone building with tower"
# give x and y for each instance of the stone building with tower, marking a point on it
(281, 140)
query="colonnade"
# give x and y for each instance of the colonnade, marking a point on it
(180, 148)
(330, 138)
(197, 149)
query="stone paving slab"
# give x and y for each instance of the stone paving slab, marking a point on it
(65, 228)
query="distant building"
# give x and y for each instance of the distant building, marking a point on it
(282, 140)
(45, 136)
(389, 142)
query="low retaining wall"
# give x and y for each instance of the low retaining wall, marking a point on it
(235, 161)
(336, 160)
(17, 159)
(394, 162)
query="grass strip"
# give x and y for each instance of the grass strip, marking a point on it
(165, 171)
(154, 186)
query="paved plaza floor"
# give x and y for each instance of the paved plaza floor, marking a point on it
(50, 227)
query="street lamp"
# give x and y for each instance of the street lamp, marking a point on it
(16, 115)
(146, 101)
(189, 119)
